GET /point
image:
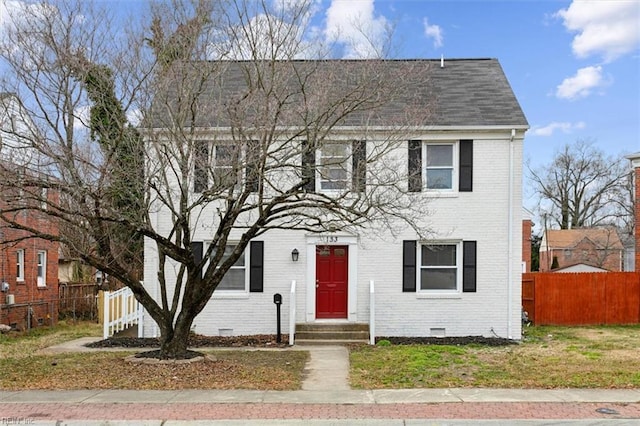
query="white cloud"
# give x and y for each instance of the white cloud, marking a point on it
(608, 28)
(353, 25)
(8, 9)
(582, 84)
(564, 127)
(433, 32)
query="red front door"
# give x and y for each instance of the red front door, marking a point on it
(332, 271)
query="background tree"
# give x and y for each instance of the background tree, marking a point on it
(64, 59)
(581, 187)
(536, 239)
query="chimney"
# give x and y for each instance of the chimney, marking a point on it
(635, 163)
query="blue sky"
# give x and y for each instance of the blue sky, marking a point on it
(573, 78)
(573, 65)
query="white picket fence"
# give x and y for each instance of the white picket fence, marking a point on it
(121, 311)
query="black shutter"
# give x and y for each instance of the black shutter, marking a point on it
(359, 166)
(251, 169)
(196, 249)
(308, 167)
(465, 180)
(415, 166)
(469, 256)
(200, 166)
(256, 266)
(409, 271)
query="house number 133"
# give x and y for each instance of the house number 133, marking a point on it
(328, 239)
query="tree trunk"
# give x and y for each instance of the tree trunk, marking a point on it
(174, 340)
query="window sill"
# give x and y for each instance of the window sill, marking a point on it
(41, 287)
(441, 194)
(229, 295)
(439, 296)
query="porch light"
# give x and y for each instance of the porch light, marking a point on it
(294, 254)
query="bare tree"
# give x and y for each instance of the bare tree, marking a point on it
(581, 186)
(235, 147)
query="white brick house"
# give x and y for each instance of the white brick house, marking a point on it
(463, 280)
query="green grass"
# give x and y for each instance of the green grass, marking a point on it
(548, 357)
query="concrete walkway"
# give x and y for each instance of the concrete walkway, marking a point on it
(325, 399)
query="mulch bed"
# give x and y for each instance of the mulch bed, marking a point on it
(454, 341)
(195, 341)
(269, 341)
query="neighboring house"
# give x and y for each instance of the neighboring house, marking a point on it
(597, 247)
(28, 266)
(579, 267)
(465, 280)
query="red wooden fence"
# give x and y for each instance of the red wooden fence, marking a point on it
(582, 298)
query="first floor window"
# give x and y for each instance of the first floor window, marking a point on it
(42, 268)
(439, 267)
(20, 265)
(234, 279)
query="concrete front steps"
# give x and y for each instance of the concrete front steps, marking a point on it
(331, 333)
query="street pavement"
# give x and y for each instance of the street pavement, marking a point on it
(325, 399)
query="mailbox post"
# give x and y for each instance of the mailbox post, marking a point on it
(277, 299)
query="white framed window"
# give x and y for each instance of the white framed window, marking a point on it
(20, 265)
(217, 166)
(225, 165)
(440, 160)
(42, 268)
(334, 168)
(440, 267)
(236, 277)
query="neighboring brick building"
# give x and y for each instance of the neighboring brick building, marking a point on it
(598, 247)
(28, 266)
(30, 269)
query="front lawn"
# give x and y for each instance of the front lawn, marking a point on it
(548, 357)
(23, 367)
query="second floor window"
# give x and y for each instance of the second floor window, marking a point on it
(333, 168)
(439, 166)
(216, 166)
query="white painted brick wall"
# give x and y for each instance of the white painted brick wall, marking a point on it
(481, 215)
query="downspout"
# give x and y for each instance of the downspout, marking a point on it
(510, 240)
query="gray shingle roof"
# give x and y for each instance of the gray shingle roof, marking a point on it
(465, 92)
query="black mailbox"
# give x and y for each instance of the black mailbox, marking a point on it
(277, 299)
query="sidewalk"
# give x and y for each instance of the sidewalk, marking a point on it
(325, 399)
